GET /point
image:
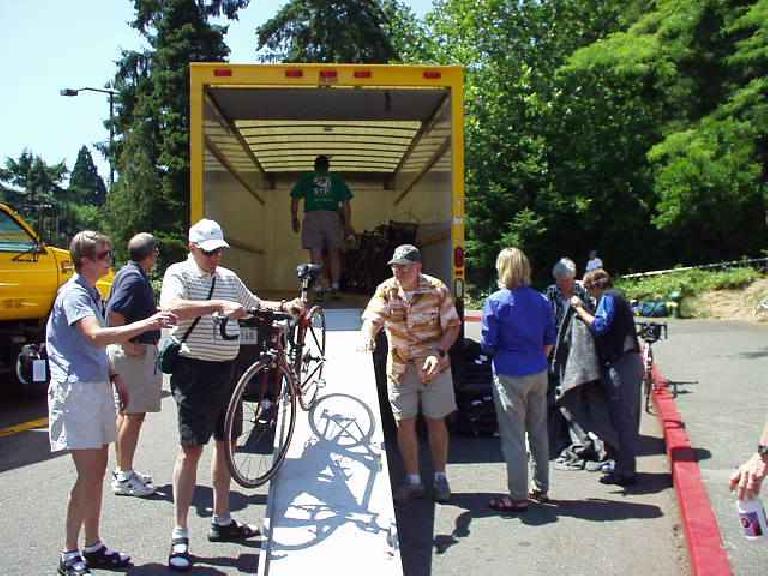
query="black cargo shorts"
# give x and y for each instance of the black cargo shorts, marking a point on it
(202, 391)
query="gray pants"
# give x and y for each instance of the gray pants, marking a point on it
(521, 405)
(622, 381)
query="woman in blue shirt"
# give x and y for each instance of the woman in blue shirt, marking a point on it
(519, 331)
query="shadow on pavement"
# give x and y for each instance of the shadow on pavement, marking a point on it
(203, 499)
(26, 448)
(154, 568)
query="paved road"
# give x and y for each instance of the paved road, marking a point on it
(721, 369)
(588, 528)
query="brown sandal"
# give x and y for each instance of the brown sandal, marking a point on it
(506, 505)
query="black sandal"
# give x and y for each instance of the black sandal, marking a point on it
(73, 566)
(232, 532)
(107, 559)
(179, 559)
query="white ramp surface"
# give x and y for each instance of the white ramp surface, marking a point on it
(330, 506)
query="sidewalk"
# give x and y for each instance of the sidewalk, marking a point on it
(720, 369)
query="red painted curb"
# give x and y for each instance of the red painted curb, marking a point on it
(472, 317)
(702, 534)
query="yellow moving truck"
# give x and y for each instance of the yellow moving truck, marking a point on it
(30, 276)
(393, 132)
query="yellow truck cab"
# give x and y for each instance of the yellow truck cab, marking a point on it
(393, 132)
(30, 275)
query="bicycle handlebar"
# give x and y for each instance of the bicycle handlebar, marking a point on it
(256, 317)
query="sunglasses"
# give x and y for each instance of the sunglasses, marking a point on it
(214, 252)
(104, 255)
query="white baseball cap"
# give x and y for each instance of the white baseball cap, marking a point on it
(207, 234)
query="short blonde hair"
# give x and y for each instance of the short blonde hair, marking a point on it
(514, 268)
(86, 244)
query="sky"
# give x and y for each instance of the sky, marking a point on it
(48, 45)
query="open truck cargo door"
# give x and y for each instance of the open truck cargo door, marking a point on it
(394, 133)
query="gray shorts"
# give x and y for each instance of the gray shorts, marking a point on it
(320, 230)
(437, 398)
(141, 376)
(81, 415)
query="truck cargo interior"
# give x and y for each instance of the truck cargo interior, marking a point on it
(391, 145)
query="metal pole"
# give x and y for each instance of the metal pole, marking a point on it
(111, 139)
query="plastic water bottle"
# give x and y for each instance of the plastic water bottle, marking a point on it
(752, 519)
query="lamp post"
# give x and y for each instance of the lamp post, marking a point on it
(69, 92)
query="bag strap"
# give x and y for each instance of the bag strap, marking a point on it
(192, 327)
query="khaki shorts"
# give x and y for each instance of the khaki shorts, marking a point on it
(141, 376)
(320, 230)
(437, 398)
(81, 415)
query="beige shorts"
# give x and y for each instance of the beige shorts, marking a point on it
(141, 376)
(320, 230)
(437, 398)
(81, 415)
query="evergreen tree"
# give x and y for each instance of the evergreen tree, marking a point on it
(85, 184)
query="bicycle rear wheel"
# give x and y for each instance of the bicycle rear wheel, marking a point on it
(309, 358)
(261, 431)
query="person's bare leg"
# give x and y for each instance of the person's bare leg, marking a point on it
(335, 258)
(438, 442)
(84, 507)
(408, 444)
(184, 478)
(128, 430)
(221, 479)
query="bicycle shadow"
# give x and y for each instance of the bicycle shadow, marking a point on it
(342, 450)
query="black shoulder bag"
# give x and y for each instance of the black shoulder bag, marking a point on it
(168, 355)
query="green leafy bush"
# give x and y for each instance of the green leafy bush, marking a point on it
(686, 283)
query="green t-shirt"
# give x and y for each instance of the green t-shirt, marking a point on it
(321, 191)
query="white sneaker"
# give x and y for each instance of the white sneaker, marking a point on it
(135, 485)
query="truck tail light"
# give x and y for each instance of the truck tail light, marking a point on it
(432, 75)
(222, 71)
(294, 73)
(328, 74)
(363, 74)
(458, 257)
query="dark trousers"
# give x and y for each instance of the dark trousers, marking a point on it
(623, 382)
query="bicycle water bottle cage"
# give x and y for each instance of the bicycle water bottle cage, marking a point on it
(308, 271)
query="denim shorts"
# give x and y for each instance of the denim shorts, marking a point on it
(202, 391)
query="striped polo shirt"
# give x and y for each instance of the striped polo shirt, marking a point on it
(187, 281)
(414, 322)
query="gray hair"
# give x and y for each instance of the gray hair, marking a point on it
(564, 268)
(86, 244)
(141, 245)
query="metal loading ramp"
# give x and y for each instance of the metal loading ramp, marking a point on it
(330, 505)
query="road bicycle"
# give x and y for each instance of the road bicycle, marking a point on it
(649, 333)
(261, 415)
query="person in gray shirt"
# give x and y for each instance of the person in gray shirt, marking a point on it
(81, 401)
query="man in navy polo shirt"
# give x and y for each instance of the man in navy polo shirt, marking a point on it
(136, 360)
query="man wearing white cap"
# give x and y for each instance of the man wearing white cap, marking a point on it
(203, 379)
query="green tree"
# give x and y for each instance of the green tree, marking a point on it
(337, 31)
(152, 120)
(85, 184)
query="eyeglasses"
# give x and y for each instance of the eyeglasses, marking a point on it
(214, 252)
(104, 255)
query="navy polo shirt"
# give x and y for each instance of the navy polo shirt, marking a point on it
(132, 297)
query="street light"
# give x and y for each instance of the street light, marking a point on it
(69, 92)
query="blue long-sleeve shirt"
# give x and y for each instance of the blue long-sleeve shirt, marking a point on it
(517, 324)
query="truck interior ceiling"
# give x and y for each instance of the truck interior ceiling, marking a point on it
(392, 146)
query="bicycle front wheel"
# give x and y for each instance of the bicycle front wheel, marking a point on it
(309, 358)
(260, 420)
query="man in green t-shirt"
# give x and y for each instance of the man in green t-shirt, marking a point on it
(323, 227)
